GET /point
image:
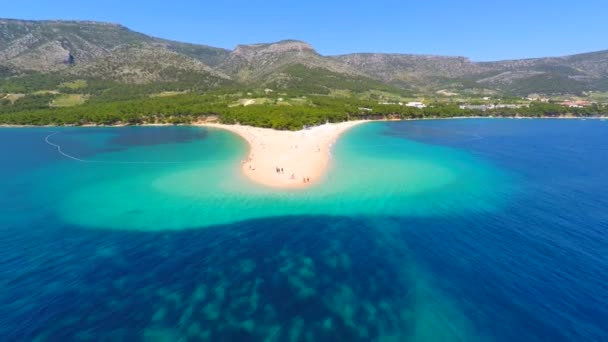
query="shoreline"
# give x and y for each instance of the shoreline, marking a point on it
(202, 123)
(287, 159)
(283, 159)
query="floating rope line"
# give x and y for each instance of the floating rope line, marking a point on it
(46, 140)
(61, 152)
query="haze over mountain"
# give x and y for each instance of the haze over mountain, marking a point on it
(94, 50)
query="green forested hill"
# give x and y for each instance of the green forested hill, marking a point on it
(58, 72)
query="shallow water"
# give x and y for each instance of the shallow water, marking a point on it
(423, 230)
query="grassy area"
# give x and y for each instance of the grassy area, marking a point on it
(598, 96)
(169, 93)
(251, 102)
(377, 95)
(446, 92)
(46, 92)
(299, 101)
(68, 100)
(340, 93)
(13, 97)
(74, 85)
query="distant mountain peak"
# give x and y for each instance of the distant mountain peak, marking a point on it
(256, 62)
(276, 47)
(6, 21)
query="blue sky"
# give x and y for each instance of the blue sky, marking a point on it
(481, 30)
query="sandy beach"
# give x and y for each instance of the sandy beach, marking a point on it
(287, 159)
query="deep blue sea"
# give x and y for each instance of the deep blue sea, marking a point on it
(435, 230)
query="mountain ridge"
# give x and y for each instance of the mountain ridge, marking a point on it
(112, 51)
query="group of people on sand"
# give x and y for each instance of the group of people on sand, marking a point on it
(293, 175)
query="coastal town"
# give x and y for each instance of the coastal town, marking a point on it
(490, 103)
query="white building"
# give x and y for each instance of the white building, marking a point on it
(415, 104)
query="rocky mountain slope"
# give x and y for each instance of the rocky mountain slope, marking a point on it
(93, 50)
(255, 62)
(145, 64)
(545, 75)
(100, 50)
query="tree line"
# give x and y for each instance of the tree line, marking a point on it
(190, 107)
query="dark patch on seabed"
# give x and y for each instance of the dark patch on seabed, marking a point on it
(294, 278)
(148, 136)
(123, 138)
(534, 270)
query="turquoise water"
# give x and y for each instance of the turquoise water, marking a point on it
(198, 183)
(435, 230)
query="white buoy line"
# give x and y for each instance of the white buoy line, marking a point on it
(69, 156)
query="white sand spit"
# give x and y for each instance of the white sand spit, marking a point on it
(303, 156)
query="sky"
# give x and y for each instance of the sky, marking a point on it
(480, 30)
